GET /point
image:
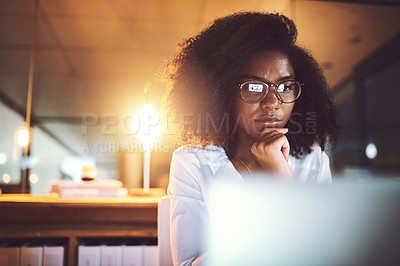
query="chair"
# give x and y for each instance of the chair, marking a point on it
(163, 220)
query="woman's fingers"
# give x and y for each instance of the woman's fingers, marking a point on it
(275, 141)
(272, 151)
(277, 137)
(272, 154)
(286, 148)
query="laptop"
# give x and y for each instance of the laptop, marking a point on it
(260, 222)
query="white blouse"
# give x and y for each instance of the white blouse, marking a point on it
(192, 170)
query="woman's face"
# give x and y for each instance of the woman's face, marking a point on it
(251, 119)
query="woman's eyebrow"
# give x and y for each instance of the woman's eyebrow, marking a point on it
(287, 77)
(253, 77)
(246, 76)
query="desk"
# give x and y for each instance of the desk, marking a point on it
(25, 216)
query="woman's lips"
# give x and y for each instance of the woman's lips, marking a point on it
(267, 121)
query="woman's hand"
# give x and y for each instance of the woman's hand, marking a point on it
(272, 151)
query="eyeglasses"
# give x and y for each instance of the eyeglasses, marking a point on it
(254, 91)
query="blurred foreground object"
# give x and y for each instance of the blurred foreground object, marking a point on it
(346, 223)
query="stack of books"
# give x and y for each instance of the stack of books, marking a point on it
(140, 255)
(88, 189)
(22, 256)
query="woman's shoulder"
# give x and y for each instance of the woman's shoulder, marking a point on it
(312, 160)
(313, 167)
(199, 149)
(201, 155)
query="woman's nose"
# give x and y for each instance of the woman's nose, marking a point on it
(271, 100)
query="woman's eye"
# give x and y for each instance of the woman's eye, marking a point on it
(253, 87)
(285, 87)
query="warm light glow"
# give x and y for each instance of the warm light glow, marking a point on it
(146, 171)
(371, 151)
(23, 136)
(33, 178)
(6, 178)
(146, 122)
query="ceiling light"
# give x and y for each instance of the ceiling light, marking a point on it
(327, 65)
(371, 151)
(354, 39)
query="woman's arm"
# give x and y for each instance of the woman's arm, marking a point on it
(189, 217)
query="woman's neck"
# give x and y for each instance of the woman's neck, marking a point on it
(243, 147)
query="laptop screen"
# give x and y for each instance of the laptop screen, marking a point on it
(259, 222)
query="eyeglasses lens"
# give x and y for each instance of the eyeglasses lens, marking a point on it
(254, 92)
(288, 91)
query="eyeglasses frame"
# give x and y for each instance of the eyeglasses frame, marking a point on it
(270, 84)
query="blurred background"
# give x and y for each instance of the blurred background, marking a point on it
(91, 65)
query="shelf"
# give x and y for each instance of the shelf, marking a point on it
(27, 216)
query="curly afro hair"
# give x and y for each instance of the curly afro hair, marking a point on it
(203, 76)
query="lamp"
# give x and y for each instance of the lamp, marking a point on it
(24, 135)
(146, 122)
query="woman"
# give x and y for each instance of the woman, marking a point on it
(247, 99)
